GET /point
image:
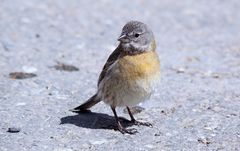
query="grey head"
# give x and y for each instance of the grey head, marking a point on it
(136, 37)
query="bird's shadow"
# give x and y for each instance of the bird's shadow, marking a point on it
(95, 121)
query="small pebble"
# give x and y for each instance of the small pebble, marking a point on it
(205, 141)
(65, 67)
(37, 36)
(98, 142)
(21, 75)
(29, 69)
(158, 134)
(21, 104)
(215, 75)
(14, 130)
(150, 146)
(180, 70)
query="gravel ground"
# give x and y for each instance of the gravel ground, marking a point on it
(196, 107)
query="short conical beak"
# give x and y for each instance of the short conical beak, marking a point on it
(123, 36)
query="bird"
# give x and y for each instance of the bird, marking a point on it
(130, 74)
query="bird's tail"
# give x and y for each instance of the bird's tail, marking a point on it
(88, 104)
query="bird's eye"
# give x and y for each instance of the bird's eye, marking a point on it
(136, 35)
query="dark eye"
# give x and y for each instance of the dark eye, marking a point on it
(136, 35)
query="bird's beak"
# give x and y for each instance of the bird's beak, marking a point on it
(122, 38)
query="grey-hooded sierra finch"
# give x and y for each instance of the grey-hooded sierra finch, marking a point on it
(130, 73)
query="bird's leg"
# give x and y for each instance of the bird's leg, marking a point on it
(120, 127)
(135, 121)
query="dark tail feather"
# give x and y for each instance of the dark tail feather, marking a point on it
(88, 104)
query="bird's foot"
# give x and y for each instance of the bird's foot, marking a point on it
(127, 131)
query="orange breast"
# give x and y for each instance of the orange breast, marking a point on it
(139, 66)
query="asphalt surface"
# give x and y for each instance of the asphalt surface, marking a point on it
(62, 46)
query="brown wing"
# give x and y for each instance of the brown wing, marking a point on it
(111, 59)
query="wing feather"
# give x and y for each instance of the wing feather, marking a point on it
(111, 59)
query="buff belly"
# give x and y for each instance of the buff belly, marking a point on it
(130, 80)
